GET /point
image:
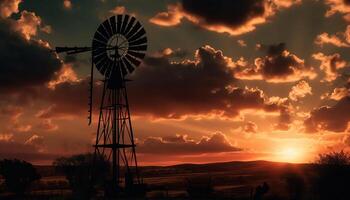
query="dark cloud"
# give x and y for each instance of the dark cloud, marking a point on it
(24, 62)
(60, 106)
(329, 118)
(192, 87)
(279, 65)
(233, 17)
(180, 144)
(27, 152)
(166, 89)
(229, 13)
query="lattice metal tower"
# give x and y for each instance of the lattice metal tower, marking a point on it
(118, 46)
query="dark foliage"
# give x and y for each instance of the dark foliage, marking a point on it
(295, 185)
(82, 175)
(260, 191)
(18, 175)
(332, 176)
(200, 187)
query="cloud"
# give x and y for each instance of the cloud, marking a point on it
(250, 127)
(241, 43)
(338, 6)
(180, 144)
(335, 40)
(47, 125)
(6, 137)
(22, 151)
(163, 88)
(300, 90)
(11, 111)
(35, 140)
(286, 109)
(118, 10)
(339, 93)
(330, 64)
(340, 39)
(192, 87)
(279, 65)
(60, 106)
(170, 18)
(329, 118)
(26, 62)
(232, 17)
(28, 24)
(8, 7)
(65, 74)
(67, 4)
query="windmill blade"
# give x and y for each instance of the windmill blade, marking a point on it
(108, 28)
(125, 22)
(98, 51)
(139, 34)
(122, 67)
(128, 65)
(101, 34)
(97, 58)
(102, 64)
(137, 54)
(133, 30)
(133, 60)
(99, 37)
(119, 22)
(138, 48)
(138, 42)
(113, 25)
(130, 25)
(98, 44)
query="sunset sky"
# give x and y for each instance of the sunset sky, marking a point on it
(222, 80)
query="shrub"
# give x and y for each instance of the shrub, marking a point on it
(332, 176)
(18, 175)
(81, 174)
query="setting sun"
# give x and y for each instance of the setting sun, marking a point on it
(290, 154)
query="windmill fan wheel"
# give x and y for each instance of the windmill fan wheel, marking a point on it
(118, 46)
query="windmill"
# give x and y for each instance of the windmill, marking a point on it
(118, 46)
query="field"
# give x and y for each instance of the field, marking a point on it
(231, 180)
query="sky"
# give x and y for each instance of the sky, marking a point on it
(221, 80)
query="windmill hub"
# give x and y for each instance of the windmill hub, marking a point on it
(117, 47)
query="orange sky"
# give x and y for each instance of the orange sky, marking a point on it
(235, 80)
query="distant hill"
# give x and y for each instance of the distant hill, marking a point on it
(235, 167)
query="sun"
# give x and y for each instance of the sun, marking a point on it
(290, 154)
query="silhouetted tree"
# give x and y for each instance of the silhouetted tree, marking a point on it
(18, 175)
(295, 185)
(332, 176)
(81, 174)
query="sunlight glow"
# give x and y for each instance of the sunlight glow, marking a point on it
(290, 154)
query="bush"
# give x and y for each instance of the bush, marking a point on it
(18, 175)
(81, 174)
(332, 176)
(200, 187)
(295, 185)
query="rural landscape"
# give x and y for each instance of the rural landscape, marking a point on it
(250, 180)
(175, 99)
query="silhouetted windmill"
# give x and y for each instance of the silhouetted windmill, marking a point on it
(118, 47)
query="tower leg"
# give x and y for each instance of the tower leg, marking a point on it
(115, 139)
